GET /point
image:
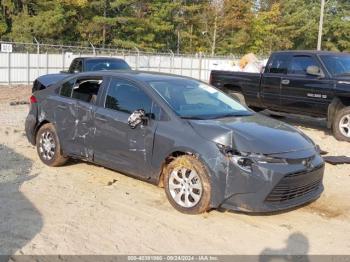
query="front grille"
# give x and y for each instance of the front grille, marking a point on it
(291, 187)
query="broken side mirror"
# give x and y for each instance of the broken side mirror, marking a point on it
(137, 117)
(314, 71)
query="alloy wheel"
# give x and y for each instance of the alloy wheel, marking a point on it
(344, 125)
(47, 145)
(185, 187)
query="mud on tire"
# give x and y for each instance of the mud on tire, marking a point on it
(187, 185)
(48, 146)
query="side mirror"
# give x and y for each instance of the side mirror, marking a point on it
(314, 71)
(136, 118)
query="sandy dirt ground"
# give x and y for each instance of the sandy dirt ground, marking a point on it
(86, 209)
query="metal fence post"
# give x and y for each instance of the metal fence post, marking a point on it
(37, 57)
(137, 58)
(28, 68)
(63, 61)
(181, 64)
(160, 61)
(171, 61)
(191, 66)
(47, 63)
(9, 68)
(200, 65)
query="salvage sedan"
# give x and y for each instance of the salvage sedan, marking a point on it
(203, 147)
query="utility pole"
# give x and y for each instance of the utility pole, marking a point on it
(320, 30)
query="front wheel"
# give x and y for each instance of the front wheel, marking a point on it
(48, 146)
(187, 185)
(341, 125)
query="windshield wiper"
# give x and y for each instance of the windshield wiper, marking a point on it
(232, 115)
(192, 118)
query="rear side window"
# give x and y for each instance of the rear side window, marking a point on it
(279, 64)
(126, 97)
(299, 64)
(67, 87)
(86, 90)
(77, 66)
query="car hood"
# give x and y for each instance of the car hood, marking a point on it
(253, 134)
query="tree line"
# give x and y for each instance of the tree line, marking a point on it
(186, 26)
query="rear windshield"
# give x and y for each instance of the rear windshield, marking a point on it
(192, 99)
(108, 64)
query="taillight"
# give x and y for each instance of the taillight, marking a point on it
(33, 100)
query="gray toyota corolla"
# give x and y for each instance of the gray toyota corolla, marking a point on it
(206, 149)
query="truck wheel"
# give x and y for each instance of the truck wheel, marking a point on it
(238, 97)
(341, 125)
(187, 185)
(48, 146)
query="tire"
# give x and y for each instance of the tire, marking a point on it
(341, 125)
(48, 146)
(238, 97)
(197, 190)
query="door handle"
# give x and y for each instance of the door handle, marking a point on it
(285, 82)
(61, 107)
(101, 119)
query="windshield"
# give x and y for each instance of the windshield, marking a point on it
(337, 65)
(106, 64)
(195, 100)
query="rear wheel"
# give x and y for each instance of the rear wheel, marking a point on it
(341, 125)
(187, 185)
(48, 146)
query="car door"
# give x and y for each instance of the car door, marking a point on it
(85, 93)
(116, 144)
(271, 80)
(63, 108)
(304, 93)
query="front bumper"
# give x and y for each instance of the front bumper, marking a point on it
(272, 187)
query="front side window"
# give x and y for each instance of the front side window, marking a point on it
(299, 65)
(337, 65)
(125, 97)
(67, 87)
(279, 64)
(195, 100)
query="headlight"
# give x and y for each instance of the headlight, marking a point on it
(245, 161)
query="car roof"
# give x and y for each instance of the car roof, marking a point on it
(311, 52)
(100, 58)
(143, 76)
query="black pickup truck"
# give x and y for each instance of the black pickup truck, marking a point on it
(81, 64)
(313, 83)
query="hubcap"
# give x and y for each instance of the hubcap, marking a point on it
(344, 125)
(185, 187)
(47, 145)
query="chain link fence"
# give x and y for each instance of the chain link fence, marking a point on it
(22, 63)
